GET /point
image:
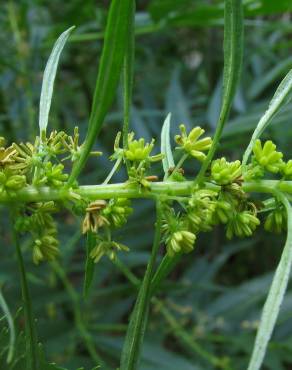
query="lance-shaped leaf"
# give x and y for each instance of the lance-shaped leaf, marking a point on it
(49, 79)
(117, 32)
(281, 97)
(275, 297)
(233, 49)
(167, 160)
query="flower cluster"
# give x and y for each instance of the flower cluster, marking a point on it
(223, 201)
(99, 219)
(37, 220)
(223, 172)
(38, 164)
(192, 144)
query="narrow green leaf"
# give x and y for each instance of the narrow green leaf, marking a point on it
(281, 97)
(114, 48)
(164, 269)
(233, 50)
(138, 321)
(275, 297)
(167, 161)
(89, 264)
(10, 322)
(49, 79)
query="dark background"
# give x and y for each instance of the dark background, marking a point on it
(215, 295)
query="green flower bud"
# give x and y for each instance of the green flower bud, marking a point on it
(137, 149)
(180, 241)
(286, 169)
(191, 144)
(54, 175)
(223, 212)
(267, 156)
(253, 172)
(242, 224)
(15, 182)
(109, 248)
(45, 248)
(117, 211)
(276, 221)
(224, 172)
(200, 210)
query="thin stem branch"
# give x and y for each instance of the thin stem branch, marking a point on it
(183, 158)
(81, 326)
(113, 171)
(31, 337)
(136, 329)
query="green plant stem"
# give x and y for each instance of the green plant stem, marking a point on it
(113, 171)
(135, 333)
(31, 336)
(165, 267)
(177, 329)
(86, 336)
(179, 164)
(156, 189)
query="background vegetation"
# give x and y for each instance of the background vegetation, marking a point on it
(208, 310)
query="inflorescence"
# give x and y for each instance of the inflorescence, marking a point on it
(46, 162)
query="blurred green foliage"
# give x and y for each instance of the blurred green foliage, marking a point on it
(207, 311)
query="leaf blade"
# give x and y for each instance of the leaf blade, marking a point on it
(89, 264)
(282, 95)
(233, 51)
(167, 161)
(49, 79)
(275, 296)
(112, 58)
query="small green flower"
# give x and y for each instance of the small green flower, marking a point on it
(53, 175)
(267, 156)
(11, 182)
(242, 224)
(54, 144)
(253, 171)
(27, 156)
(191, 143)
(70, 144)
(109, 248)
(117, 211)
(45, 248)
(139, 151)
(224, 172)
(286, 169)
(223, 212)
(137, 177)
(276, 220)
(200, 210)
(180, 241)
